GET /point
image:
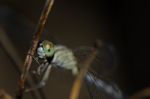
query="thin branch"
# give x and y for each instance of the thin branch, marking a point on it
(143, 94)
(36, 38)
(4, 95)
(80, 77)
(10, 49)
(12, 53)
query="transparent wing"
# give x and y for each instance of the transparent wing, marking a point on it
(106, 60)
(105, 63)
(101, 88)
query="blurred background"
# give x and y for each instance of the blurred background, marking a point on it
(123, 24)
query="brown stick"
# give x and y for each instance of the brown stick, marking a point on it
(36, 38)
(78, 81)
(4, 95)
(13, 54)
(142, 94)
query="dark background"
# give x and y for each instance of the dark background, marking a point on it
(122, 23)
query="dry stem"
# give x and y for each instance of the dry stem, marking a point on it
(36, 38)
(78, 81)
(143, 94)
(4, 95)
(13, 54)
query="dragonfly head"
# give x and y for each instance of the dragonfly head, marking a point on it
(45, 49)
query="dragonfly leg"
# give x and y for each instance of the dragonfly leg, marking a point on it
(43, 81)
(35, 58)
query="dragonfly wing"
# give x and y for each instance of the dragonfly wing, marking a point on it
(106, 63)
(106, 60)
(101, 88)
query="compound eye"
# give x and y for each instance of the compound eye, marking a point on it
(48, 50)
(40, 50)
(47, 46)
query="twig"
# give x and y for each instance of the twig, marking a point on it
(143, 94)
(31, 51)
(12, 53)
(4, 95)
(78, 81)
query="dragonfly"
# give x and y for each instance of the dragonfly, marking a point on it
(59, 56)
